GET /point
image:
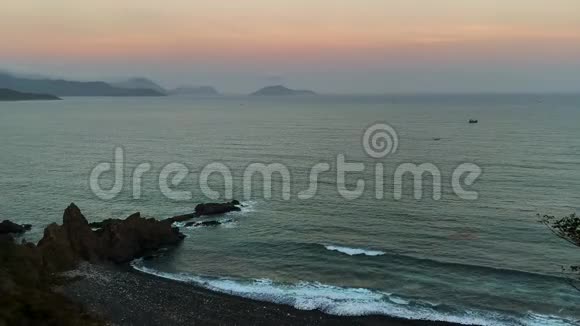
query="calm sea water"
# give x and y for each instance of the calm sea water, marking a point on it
(486, 261)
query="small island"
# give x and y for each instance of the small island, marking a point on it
(12, 95)
(280, 90)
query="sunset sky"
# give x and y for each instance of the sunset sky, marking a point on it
(354, 46)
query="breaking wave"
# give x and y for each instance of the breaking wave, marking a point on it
(354, 251)
(343, 301)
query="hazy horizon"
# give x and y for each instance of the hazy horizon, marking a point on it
(371, 47)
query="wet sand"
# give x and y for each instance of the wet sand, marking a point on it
(123, 296)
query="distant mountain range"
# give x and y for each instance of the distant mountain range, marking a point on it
(61, 87)
(12, 95)
(144, 83)
(198, 91)
(137, 86)
(140, 83)
(280, 90)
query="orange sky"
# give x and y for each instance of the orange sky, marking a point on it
(362, 32)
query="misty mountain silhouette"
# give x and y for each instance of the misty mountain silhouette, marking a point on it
(280, 90)
(198, 91)
(61, 87)
(140, 83)
(12, 95)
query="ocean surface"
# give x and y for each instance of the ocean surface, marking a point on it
(486, 261)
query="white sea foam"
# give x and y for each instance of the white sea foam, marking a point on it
(227, 223)
(354, 251)
(348, 301)
(398, 300)
(246, 207)
(542, 320)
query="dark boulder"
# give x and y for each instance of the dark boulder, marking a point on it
(181, 218)
(10, 227)
(217, 208)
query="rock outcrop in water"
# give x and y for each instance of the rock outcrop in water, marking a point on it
(10, 227)
(206, 209)
(217, 208)
(116, 241)
(125, 240)
(181, 218)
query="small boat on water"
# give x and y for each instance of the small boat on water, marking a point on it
(473, 121)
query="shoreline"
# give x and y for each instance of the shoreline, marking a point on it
(122, 295)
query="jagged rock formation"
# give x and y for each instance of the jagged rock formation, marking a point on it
(27, 270)
(116, 241)
(26, 295)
